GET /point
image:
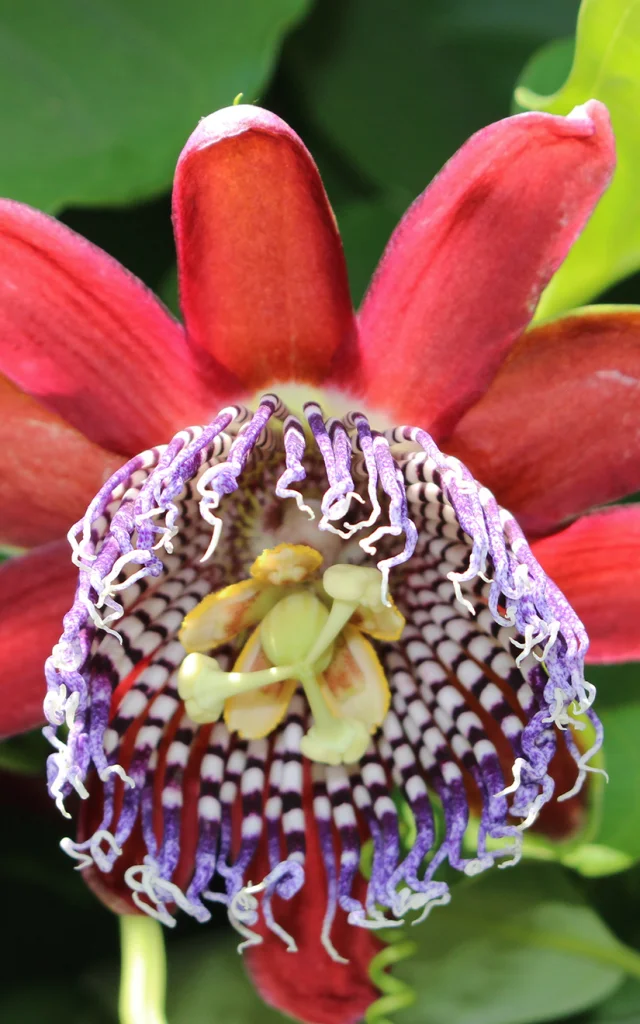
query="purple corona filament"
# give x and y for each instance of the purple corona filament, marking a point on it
(491, 659)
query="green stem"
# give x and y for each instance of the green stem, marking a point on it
(143, 973)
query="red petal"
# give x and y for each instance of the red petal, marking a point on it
(263, 283)
(88, 339)
(308, 985)
(462, 274)
(596, 564)
(48, 470)
(558, 431)
(35, 592)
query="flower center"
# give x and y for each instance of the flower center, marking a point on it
(302, 638)
(241, 572)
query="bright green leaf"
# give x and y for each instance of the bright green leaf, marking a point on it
(606, 67)
(99, 98)
(513, 947)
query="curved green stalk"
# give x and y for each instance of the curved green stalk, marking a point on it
(396, 994)
(143, 972)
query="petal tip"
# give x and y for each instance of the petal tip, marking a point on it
(229, 122)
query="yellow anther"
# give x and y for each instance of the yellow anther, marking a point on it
(385, 623)
(285, 564)
(256, 713)
(354, 684)
(222, 615)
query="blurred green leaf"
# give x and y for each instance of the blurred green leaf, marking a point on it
(208, 984)
(547, 69)
(606, 67)
(398, 87)
(623, 1007)
(513, 947)
(618, 705)
(365, 227)
(59, 1004)
(8, 551)
(25, 754)
(168, 290)
(99, 98)
(395, 89)
(611, 841)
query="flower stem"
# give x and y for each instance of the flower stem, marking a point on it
(143, 973)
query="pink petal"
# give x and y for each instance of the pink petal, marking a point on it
(35, 592)
(596, 564)
(89, 340)
(263, 284)
(462, 274)
(48, 470)
(558, 430)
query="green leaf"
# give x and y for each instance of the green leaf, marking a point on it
(55, 1004)
(208, 983)
(623, 1007)
(99, 98)
(24, 754)
(513, 947)
(168, 290)
(397, 87)
(618, 706)
(365, 227)
(547, 69)
(606, 66)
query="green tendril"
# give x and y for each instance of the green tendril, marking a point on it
(396, 994)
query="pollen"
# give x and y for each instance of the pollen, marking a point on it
(286, 563)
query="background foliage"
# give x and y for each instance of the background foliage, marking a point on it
(98, 100)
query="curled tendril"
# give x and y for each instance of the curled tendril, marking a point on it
(396, 994)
